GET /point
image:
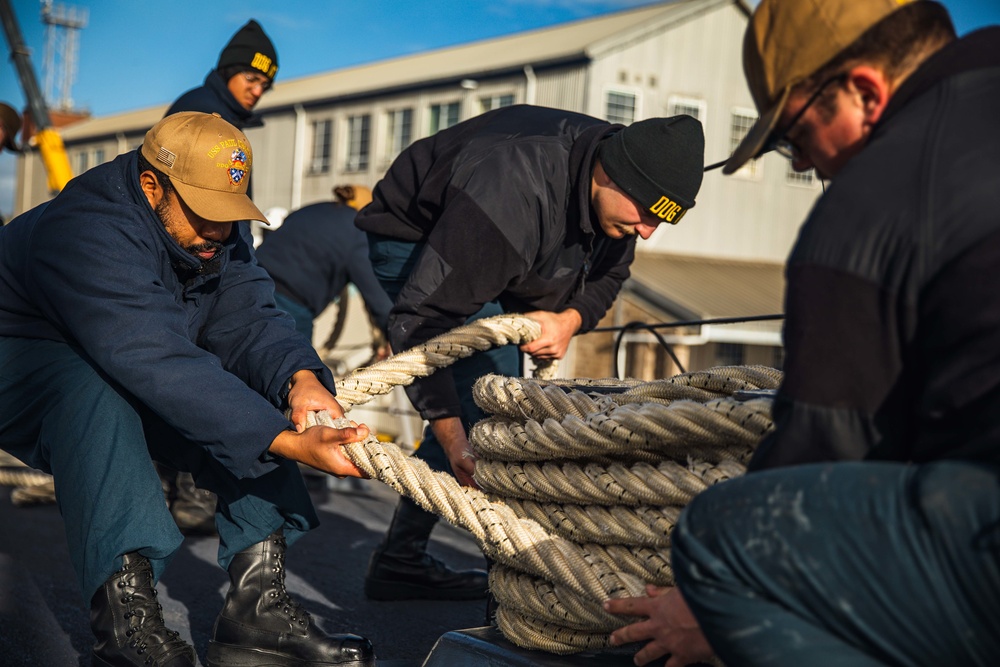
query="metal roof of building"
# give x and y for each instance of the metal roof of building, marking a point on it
(569, 42)
(694, 288)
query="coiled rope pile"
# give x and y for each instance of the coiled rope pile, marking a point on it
(580, 489)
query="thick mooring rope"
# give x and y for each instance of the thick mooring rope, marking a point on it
(582, 481)
(31, 487)
(580, 489)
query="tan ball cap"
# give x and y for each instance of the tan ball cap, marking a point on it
(208, 162)
(786, 42)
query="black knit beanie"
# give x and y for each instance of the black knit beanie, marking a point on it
(250, 49)
(659, 162)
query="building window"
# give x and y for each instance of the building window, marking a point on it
(742, 122)
(805, 178)
(621, 108)
(82, 162)
(678, 106)
(98, 156)
(443, 116)
(400, 132)
(495, 102)
(729, 354)
(322, 141)
(358, 132)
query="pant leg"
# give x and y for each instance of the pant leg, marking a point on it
(847, 564)
(393, 261)
(59, 415)
(249, 509)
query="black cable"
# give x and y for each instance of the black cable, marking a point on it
(651, 328)
(691, 323)
(716, 165)
(640, 325)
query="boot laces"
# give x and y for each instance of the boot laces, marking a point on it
(147, 632)
(280, 599)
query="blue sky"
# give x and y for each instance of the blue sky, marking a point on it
(139, 54)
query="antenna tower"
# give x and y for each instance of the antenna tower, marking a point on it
(62, 41)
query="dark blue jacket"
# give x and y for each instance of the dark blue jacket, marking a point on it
(202, 345)
(214, 97)
(316, 252)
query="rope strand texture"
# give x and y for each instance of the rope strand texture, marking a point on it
(585, 478)
(582, 487)
(363, 384)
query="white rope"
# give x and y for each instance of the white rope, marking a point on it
(363, 384)
(581, 486)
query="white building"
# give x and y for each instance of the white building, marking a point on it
(347, 125)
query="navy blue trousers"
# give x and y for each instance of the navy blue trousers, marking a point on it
(393, 261)
(60, 414)
(847, 564)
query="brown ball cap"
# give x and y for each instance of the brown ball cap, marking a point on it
(208, 162)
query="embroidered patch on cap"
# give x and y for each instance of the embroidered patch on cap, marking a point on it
(237, 167)
(668, 210)
(166, 157)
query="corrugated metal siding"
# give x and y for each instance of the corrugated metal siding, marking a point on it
(562, 88)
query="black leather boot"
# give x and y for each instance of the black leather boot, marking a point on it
(401, 568)
(193, 509)
(261, 625)
(128, 622)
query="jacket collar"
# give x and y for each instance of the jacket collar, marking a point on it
(976, 50)
(215, 83)
(184, 263)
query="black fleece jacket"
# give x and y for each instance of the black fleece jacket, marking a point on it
(893, 313)
(502, 202)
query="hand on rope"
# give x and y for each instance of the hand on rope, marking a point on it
(451, 434)
(669, 626)
(559, 606)
(321, 447)
(557, 331)
(306, 393)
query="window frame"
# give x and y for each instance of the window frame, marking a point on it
(359, 140)
(394, 144)
(435, 118)
(624, 92)
(752, 169)
(321, 158)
